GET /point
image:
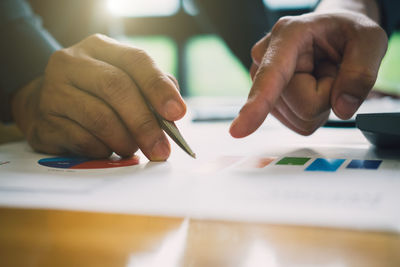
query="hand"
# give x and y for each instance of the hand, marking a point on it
(309, 64)
(91, 102)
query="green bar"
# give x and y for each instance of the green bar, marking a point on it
(293, 161)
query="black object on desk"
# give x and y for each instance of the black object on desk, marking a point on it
(340, 123)
(381, 129)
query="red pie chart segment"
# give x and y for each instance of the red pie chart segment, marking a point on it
(85, 163)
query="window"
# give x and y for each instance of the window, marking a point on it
(142, 8)
(213, 70)
(202, 63)
(388, 78)
(283, 4)
(161, 48)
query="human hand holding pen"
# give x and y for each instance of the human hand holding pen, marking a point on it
(311, 63)
(91, 101)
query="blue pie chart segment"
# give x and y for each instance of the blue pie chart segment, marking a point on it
(62, 162)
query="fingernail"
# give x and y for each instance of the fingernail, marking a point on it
(173, 109)
(160, 150)
(346, 105)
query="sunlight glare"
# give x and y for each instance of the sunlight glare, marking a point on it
(142, 8)
(260, 254)
(170, 252)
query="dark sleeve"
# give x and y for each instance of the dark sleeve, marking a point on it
(25, 48)
(240, 23)
(390, 10)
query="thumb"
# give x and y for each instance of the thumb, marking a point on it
(357, 73)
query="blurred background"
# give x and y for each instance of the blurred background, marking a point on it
(169, 32)
(215, 81)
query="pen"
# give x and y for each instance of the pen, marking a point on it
(170, 128)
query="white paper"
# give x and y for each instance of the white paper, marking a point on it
(222, 183)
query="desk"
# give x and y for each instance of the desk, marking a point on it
(69, 238)
(45, 237)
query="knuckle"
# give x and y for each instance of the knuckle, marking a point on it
(136, 57)
(254, 53)
(257, 53)
(57, 58)
(94, 42)
(282, 23)
(382, 35)
(374, 31)
(95, 38)
(378, 33)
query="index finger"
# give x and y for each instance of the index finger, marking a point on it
(274, 73)
(155, 86)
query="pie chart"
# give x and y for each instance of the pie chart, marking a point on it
(86, 163)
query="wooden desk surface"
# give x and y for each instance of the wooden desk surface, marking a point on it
(69, 238)
(31, 237)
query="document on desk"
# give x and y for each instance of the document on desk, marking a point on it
(333, 178)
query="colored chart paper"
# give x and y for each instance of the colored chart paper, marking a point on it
(325, 165)
(85, 163)
(293, 161)
(364, 164)
(306, 183)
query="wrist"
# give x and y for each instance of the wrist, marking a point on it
(369, 8)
